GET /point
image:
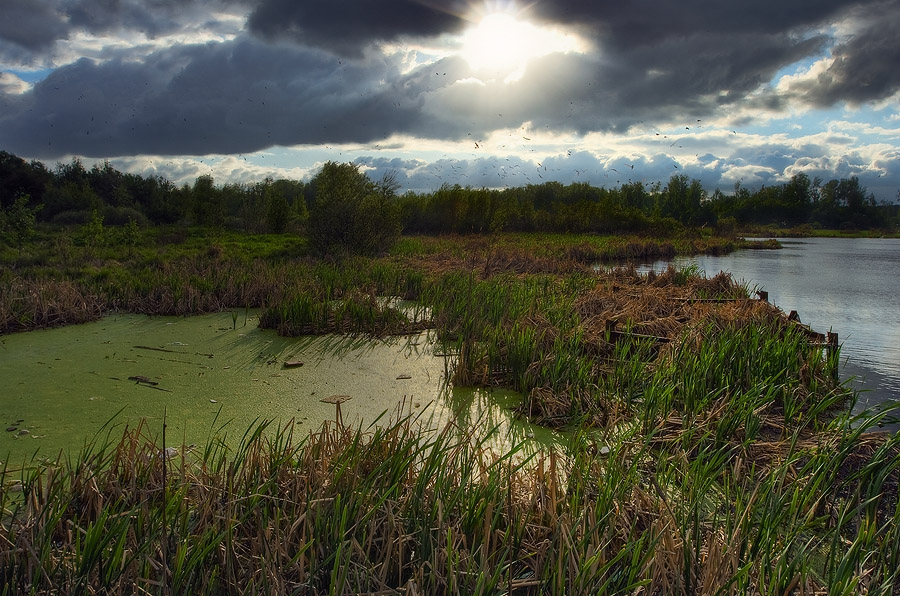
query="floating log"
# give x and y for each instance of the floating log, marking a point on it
(173, 351)
(710, 300)
(158, 349)
(146, 382)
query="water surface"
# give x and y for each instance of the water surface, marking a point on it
(215, 375)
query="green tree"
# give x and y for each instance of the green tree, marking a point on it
(93, 234)
(686, 202)
(278, 210)
(845, 203)
(17, 222)
(18, 177)
(109, 184)
(156, 197)
(71, 191)
(351, 213)
(206, 203)
(797, 199)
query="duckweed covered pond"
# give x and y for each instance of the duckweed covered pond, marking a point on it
(213, 374)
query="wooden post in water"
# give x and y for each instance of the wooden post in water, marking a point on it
(337, 400)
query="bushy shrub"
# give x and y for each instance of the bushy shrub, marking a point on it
(92, 234)
(353, 214)
(72, 217)
(17, 222)
(120, 216)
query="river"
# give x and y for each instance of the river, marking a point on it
(846, 285)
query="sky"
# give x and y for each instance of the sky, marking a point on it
(478, 93)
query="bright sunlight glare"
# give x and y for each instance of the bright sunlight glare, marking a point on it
(501, 45)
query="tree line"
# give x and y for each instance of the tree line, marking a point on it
(341, 199)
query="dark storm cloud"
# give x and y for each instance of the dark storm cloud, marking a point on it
(656, 62)
(153, 17)
(684, 79)
(30, 24)
(865, 67)
(652, 22)
(232, 97)
(695, 55)
(693, 58)
(348, 26)
(29, 28)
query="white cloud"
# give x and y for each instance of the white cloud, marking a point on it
(12, 84)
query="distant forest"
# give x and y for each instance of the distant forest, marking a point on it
(70, 193)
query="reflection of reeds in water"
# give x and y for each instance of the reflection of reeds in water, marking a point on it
(683, 509)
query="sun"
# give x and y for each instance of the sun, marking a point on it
(501, 44)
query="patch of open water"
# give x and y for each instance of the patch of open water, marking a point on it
(209, 375)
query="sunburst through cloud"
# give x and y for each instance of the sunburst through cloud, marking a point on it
(750, 95)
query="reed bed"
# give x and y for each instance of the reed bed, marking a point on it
(590, 347)
(399, 509)
(356, 313)
(31, 304)
(57, 283)
(210, 281)
(710, 447)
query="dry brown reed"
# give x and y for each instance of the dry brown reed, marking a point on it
(658, 307)
(32, 304)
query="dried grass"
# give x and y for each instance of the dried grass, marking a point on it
(402, 510)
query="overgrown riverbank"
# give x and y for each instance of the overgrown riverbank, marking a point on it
(710, 447)
(54, 280)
